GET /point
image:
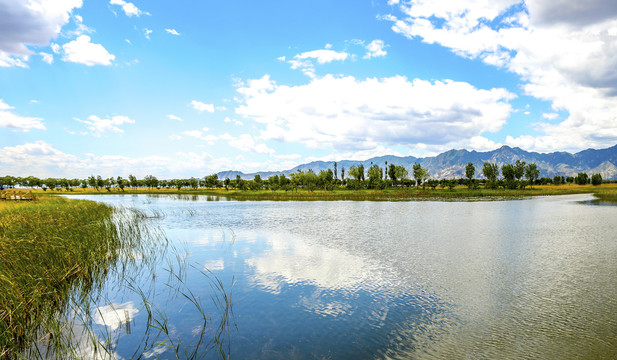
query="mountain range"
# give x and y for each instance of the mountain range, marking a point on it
(451, 164)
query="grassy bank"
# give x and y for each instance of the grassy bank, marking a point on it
(605, 192)
(48, 248)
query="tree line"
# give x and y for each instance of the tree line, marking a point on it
(513, 176)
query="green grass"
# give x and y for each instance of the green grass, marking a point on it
(48, 248)
(55, 256)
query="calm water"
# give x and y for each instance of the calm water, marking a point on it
(387, 280)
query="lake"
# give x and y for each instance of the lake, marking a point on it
(532, 278)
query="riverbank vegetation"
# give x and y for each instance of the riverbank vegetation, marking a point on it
(355, 183)
(49, 248)
(56, 257)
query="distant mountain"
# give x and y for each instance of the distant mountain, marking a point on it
(451, 164)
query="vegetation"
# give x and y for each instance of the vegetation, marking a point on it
(391, 179)
(47, 249)
(55, 255)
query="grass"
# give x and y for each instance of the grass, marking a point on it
(605, 192)
(47, 249)
(56, 258)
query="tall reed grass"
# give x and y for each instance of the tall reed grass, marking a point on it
(48, 248)
(58, 260)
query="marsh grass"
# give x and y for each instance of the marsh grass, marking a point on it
(58, 260)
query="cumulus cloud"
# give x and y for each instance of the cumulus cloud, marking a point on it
(246, 143)
(11, 120)
(42, 159)
(82, 51)
(349, 114)
(201, 135)
(201, 107)
(33, 22)
(174, 117)
(306, 61)
(375, 49)
(46, 57)
(98, 125)
(233, 121)
(129, 8)
(172, 31)
(565, 52)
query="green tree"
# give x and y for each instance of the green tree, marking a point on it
(582, 179)
(133, 181)
(470, 171)
(420, 174)
(401, 173)
(325, 179)
(392, 172)
(508, 172)
(596, 179)
(519, 169)
(210, 181)
(121, 182)
(343, 173)
(531, 173)
(490, 172)
(335, 176)
(92, 182)
(151, 181)
(374, 176)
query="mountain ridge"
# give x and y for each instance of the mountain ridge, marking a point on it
(451, 163)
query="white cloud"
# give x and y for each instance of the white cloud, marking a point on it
(175, 137)
(349, 114)
(147, 33)
(113, 315)
(323, 56)
(172, 31)
(46, 57)
(80, 28)
(565, 52)
(550, 116)
(201, 135)
(98, 126)
(246, 143)
(129, 8)
(233, 121)
(33, 22)
(174, 117)
(82, 51)
(44, 160)
(14, 121)
(201, 107)
(375, 49)
(306, 61)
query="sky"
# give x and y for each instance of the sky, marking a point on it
(186, 88)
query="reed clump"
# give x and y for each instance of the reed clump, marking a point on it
(49, 248)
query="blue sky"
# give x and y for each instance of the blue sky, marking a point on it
(189, 88)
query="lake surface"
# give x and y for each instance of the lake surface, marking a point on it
(533, 278)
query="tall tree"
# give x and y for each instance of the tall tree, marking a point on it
(532, 173)
(470, 170)
(519, 169)
(508, 172)
(420, 174)
(335, 171)
(490, 172)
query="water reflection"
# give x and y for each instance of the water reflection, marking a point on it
(532, 278)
